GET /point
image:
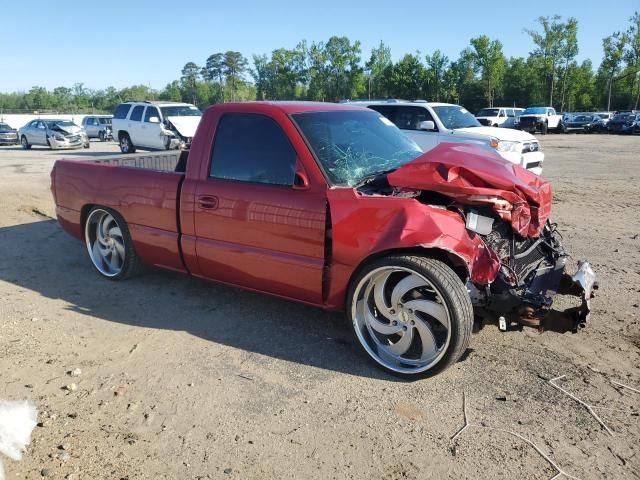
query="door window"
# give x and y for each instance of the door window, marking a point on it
(151, 112)
(510, 113)
(136, 114)
(252, 148)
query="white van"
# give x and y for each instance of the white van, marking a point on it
(499, 116)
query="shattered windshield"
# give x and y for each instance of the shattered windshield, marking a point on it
(181, 111)
(352, 145)
(454, 116)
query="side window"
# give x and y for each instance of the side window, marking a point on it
(409, 118)
(252, 148)
(501, 113)
(151, 112)
(91, 121)
(510, 113)
(551, 111)
(136, 114)
(122, 110)
(385, 110)
(40, 125)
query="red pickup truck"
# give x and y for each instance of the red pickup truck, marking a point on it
(331, 205)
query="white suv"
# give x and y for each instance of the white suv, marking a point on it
(499, 116)
(429, 124)
(154, 125)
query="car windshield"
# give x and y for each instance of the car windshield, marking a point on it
(604, 116)
(60, 123)
(535, 111)
(104, 121)
(4, 126)
(488, 112)
(351, 145)
(454, 116)
(181, 111)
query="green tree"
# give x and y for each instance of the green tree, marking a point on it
(613, 48)
(235, 66)
(189, 79)
(407, 77)
(549, 45)
(490, 62)
(377, 68)
(436, 67)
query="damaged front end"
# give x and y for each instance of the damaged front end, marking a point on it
(532, 271)
(508, 208)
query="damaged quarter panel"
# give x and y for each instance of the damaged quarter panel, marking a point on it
(363, 226)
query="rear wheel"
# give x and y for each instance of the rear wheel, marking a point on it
(411, 315)
(102, 137)
(109, 244)
(126, 145)
(25, 143)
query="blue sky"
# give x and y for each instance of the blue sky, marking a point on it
(121, 43)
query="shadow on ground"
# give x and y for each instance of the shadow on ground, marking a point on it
(40, 257)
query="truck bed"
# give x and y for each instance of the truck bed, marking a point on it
(144, 188)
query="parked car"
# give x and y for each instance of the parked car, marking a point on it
(155, 125)
(542, 119)
(8, 135)
(429, 124)
(625, 123)
(54, 134)
(585, 123)
(331, 205)
(499, 116)
(98, 126)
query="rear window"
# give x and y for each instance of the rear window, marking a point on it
(122, 110)
(136, 115)
(252, 148)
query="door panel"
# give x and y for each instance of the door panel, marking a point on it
(263, 237)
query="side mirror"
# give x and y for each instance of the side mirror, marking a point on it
(300, 179)
(427, 125)
(154, 120)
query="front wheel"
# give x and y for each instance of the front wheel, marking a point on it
(561, 128)
(411, 315)
(543, 128)
(109, 244)
(102, 136)
(126, 145)
(25, 143)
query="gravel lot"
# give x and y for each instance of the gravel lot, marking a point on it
(189, 380)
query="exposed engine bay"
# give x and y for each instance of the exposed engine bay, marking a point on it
(509, 210)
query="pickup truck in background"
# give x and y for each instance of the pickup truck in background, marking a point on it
(430, 123)
(331, 205)
(542, 119)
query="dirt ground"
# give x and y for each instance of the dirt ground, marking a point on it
(182, 379)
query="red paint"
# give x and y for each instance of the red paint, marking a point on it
(463, 171)
(274, 239)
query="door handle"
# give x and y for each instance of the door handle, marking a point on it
(208, 202)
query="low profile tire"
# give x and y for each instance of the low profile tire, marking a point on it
(25, 143)
(411, 315)
(102, 137)
(109, 244)
(544, 128)
(126, 145)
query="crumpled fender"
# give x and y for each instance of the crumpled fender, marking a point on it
(362, 226)
(465, 171)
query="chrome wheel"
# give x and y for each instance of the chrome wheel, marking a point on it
(105, 243)
(401, 319)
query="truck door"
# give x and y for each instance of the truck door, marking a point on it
(258, 221)
(134, 124)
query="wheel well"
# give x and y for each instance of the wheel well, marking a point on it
(84, 213)
(122, 133)
(452, 260)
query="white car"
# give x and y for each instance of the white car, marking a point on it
(499, 116)
(154, 125)
(429, 124)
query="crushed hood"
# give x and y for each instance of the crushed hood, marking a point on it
(186, 126)
(72, 130)
(474, 175)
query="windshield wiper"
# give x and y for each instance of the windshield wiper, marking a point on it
(372, 177)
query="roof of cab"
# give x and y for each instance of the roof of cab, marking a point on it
(289, 106)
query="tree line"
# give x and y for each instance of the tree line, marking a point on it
(335, 70)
